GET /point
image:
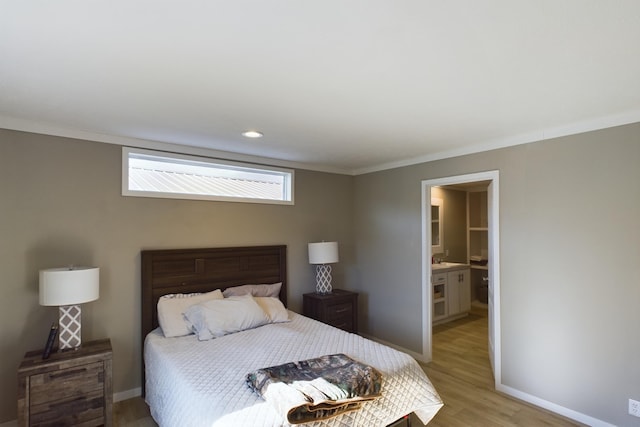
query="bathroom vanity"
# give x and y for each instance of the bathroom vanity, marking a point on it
(451, 287)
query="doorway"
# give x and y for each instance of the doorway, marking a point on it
(493, 297)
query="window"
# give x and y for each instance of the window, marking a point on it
(148, 173)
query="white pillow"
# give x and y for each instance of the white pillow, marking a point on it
(272, 290)
(172, 307)
(215, 318)
(274, 308)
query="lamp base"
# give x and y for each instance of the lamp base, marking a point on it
(323, 279)
(70, 337)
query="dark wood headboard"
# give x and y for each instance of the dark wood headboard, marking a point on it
(171, 271)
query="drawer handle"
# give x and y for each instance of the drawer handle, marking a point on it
(67, 373)
(342, 310)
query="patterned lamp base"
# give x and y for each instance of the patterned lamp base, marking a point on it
(70, 327)
(323, 279)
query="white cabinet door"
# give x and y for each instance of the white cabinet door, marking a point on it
(439, 296)
(459, 292)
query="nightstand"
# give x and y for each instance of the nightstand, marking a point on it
(339, 308)
(69, 388)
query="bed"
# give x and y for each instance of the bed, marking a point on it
(202, 383)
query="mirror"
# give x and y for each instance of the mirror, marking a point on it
(437, 237)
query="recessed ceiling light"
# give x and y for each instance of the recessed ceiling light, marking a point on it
(252, 134)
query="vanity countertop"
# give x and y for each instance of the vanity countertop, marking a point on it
(445, 267)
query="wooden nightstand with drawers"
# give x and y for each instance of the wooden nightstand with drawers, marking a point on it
(70, 388)
(339, 309)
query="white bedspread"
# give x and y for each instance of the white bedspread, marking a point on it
(192, 383)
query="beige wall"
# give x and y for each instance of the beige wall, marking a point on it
(570, 251)
(61, 204)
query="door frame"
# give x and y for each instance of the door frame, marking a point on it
(493, 204)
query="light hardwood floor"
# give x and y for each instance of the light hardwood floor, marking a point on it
(461, 373)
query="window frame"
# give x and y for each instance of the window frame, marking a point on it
(289, 178)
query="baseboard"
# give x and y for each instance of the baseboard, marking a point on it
(550, 406)
(124, 395)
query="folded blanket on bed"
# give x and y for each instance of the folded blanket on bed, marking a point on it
(316, 389)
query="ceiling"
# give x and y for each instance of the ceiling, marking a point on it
(343, 86)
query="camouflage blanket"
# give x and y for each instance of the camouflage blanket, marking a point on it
(316, 389)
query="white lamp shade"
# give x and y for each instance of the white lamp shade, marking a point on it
(64, 286)
(323, 252)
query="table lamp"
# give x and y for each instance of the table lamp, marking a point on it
(322, 254)
(68, 288)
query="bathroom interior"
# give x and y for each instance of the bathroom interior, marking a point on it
(459, 251)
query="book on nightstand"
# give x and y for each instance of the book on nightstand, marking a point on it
(50, 341)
